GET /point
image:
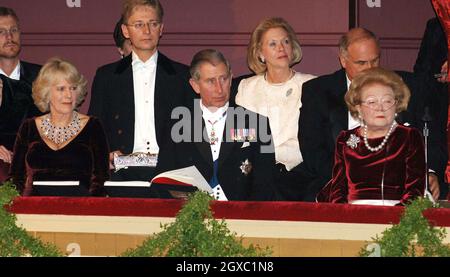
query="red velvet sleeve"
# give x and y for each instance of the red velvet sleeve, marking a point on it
(336, 190)
(415, 168)
(100, 151)
(17, 171)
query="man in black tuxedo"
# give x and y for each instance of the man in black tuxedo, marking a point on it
(324, 114)
(230, 146)
(134, 96)
(432, 60)
(16, 78)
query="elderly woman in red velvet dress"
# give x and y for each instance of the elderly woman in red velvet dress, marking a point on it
(380, 162)
(62, 145)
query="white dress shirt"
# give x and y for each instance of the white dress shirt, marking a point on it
(144, 75)
(15, 74)
(218, 118)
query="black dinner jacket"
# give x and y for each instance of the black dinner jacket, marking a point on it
(112, 99)
(432, 54)
(256, 185)
(17, 103)
(324, 115)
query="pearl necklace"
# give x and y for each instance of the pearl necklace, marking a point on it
(377, 148)
(60, 135)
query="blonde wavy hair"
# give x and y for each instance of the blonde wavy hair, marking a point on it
(254, 47)
(377, 75)
(54, 70)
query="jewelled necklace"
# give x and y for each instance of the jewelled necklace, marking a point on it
(59, 135)
(375, 149)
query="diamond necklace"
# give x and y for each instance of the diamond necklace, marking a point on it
(375, 149)
(60, 135)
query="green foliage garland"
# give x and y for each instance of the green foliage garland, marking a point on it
(196, 233)
(15, 241)
(413, 236)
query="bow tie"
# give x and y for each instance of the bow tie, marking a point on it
(139, 65)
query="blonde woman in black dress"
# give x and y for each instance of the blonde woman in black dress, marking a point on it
(62, 145)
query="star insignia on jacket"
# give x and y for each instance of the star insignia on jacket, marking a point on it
(246, 167)
(353, 141)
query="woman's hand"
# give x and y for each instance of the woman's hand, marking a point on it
(433, 181)
(5, 154)
(442, 77)
(111, 158)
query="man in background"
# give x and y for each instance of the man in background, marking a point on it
(235, 154)
(16, 78)
(134, 96)
(324, 114)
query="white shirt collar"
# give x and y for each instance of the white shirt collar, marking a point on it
(348, 81)
(15, 74)
(137, 63)
(207, 114)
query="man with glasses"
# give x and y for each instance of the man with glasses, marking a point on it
(134, 96)
(16, 77)
(324, 115)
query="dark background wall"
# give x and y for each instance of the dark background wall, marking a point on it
(83, 34)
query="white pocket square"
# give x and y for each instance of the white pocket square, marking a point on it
(245, 144)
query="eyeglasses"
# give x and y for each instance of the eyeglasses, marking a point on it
(152, 25)
(374, 103)
(13, 31)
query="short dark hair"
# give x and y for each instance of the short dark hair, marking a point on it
(5, 11)
(129, 5)
(118, 36)
(211, 56)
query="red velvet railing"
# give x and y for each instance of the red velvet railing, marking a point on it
(288, 211)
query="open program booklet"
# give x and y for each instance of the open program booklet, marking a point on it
(174, 183)
(179, 181)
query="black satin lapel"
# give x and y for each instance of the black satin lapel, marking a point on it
(339, 115)
(127, 94)
(203, 147)
(227, 143)
(159, 102)
(25, 75)
(205, 151)
(225, 150)
(339, 119)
